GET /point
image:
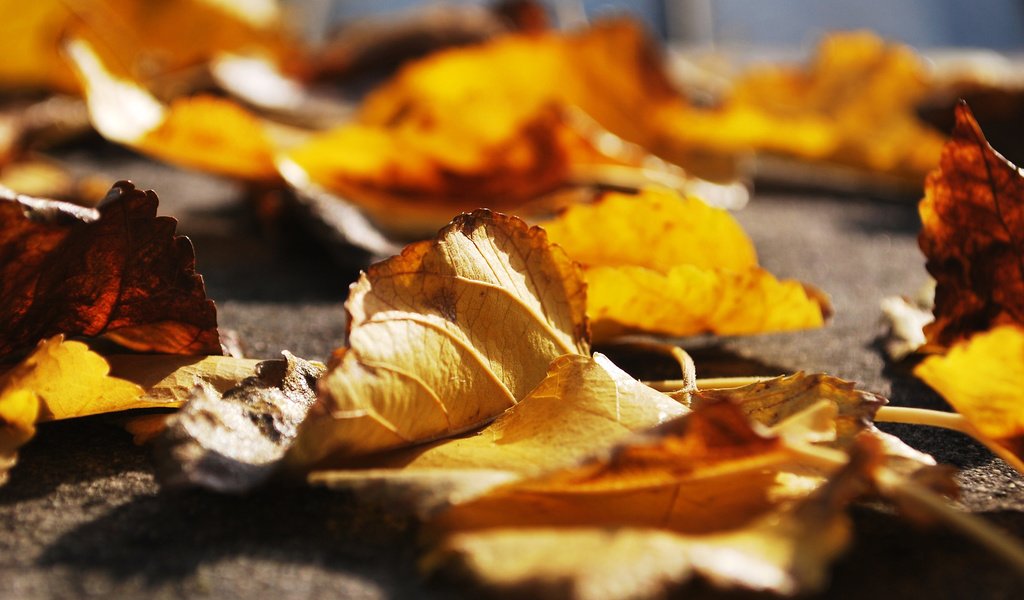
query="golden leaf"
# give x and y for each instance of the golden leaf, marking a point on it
(659, 263)
(203, 132)
(19, 409)
(501, 123)
(582, 406)
(705, 494)
(981, 378)
(854, 104)
(152, 39)
(447, 336)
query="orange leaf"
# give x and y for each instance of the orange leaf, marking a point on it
(203, 132)
(972, 233)
(118, 272)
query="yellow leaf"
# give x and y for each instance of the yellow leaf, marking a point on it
(203, 132)
(446, 336)
(981, 378)
(72, 381)
(854, 104)
(500, 124)
(583, 406)
(705, 494)
(19, 409)
(656, 229)
(662, 264)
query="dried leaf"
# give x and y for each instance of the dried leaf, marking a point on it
(203, 131)
(656, 229)
(118, 272)
(446, 337)
(981, 378)
(232, 442)
(973, 236)
(504, 122)
(151, 39)
(706, 494)
(853, 105)
(679, 267)
(583, 406)
(19, 409)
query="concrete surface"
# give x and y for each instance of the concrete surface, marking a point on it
(83, 517)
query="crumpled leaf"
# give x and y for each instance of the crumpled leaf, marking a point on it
(907, 318)
(659, 263)
(203, 131)
(707, 494)
(505, 122)
(150, 38)
(981, 378)
(972, 233)
(853, 104)
(446, 336)
(118, 272)
(232, 442)
(582, 406)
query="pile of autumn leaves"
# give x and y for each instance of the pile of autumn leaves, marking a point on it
(467, 392)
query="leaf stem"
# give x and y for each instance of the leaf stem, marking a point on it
(923, 416)
(709, 383)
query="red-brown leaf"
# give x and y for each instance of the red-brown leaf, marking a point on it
(973, 235)
(119, 271)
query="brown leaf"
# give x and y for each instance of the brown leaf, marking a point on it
(232, 442)
(446, 336)
(118, 272)
(972, 233)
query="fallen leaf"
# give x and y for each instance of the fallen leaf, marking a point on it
(152, 39)
(698, 496)
(582, 406)
(19, 409)
(981, 378)
(511, 121)
(660, 263)
(117, 271)
(854, 104)
(446, 336)
(233, 441)
(973, 236)
(72, 381)
(204, 132)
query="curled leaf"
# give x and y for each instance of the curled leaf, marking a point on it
(698, 496)
(583, 406)
(679, 267)
(204, 132)
(446, 336)
(118, 272)
(509, 122)
(981, 378)
(972, 219)
(232, 442)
